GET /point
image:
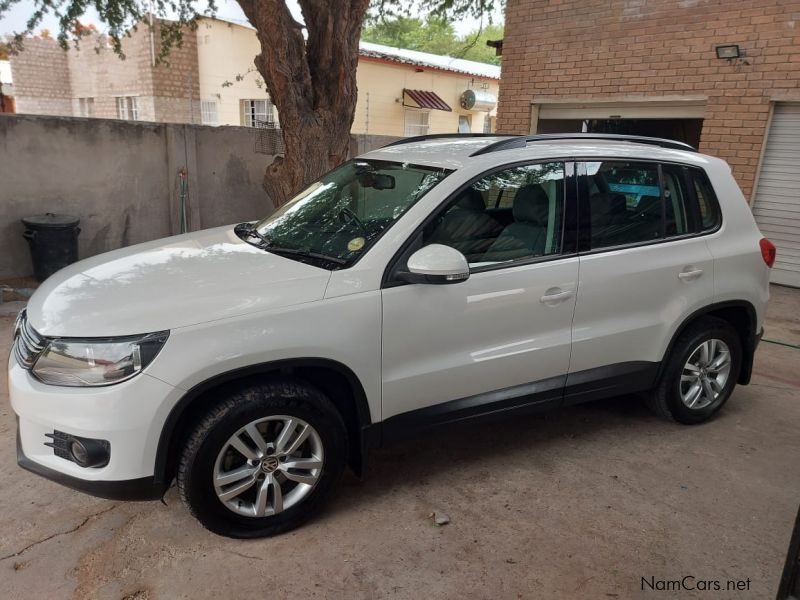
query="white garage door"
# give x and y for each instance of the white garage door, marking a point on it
(777, 202)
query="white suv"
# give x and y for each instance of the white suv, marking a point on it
(435, 280)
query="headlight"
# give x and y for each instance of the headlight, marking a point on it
(94, 362)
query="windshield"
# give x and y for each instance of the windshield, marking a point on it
(336, 219)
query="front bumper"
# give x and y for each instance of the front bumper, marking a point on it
(144, 488)
(128, 415)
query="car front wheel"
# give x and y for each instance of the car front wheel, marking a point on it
(263, 460)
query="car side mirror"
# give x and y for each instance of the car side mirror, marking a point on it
(436, 264)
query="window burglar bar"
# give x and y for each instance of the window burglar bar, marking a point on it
(268, 138)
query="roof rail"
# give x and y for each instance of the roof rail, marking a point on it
(435, 136)
(521, 141)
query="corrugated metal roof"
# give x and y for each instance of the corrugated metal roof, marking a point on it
(424, 59)
(425, 99)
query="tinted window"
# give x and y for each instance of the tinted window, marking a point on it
(510, 215)
(706, 199)
(625, 202)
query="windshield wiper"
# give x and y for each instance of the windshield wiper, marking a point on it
(245, 230)
(307, 253)
(249, 229)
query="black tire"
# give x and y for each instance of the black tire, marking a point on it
(665, 399)
(243, 406)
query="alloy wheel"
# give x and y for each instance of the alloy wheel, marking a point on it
(705, 374)
(268, 466)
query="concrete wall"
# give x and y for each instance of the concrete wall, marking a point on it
(121, 178)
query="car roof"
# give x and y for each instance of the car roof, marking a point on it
(458, 152)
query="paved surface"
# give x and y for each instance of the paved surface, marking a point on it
(580, 503)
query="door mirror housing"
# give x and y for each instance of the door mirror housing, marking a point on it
(437, 264)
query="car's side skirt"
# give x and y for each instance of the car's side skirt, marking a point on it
(563, 390)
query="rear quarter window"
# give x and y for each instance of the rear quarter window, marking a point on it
(706, 199)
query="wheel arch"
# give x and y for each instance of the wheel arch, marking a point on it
(333, 378)
(741, 315)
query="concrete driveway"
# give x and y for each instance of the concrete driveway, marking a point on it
(581, 503)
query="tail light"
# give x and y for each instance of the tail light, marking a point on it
(768, 252)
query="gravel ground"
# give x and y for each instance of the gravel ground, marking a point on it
(579, 503)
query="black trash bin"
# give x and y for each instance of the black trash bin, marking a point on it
(53, 240)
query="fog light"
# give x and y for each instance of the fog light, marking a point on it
(79, 453)
(86, 452)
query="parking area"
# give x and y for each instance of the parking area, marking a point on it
(580, 503)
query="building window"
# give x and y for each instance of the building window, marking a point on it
(128, 108)
(464, 124)
(487, 124)
(85, 107)
(257, 113)
(416, 122)
(208, 112)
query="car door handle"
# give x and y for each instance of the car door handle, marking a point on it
(555, 296)
(689, 274)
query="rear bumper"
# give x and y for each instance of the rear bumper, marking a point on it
(144, 488)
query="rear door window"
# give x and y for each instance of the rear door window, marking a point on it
(632, 202)
(624, 203)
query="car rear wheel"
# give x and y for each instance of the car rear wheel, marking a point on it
(700, 373)
(263, 460)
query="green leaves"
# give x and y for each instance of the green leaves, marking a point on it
(436, 35)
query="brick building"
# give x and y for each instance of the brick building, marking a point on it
(94, 82)
(651, 67)
(210, 79)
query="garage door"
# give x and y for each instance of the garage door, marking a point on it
(777, 202)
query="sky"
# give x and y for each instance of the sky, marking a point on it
(14, 20)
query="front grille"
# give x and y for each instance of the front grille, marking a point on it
(28, 344)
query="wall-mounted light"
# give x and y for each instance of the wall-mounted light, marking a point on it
(729, 51)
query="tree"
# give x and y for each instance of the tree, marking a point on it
(435, 35)
(475, 48)
(311, 76)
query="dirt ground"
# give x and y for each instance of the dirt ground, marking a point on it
(580, 503)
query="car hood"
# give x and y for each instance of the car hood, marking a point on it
(170, 283)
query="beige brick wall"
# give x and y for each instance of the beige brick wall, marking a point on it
(176, 85)
(618, 49)
(52, 81)
(41, 79)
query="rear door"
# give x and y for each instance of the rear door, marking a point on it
(644, 266)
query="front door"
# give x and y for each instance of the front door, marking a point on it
(500, 340)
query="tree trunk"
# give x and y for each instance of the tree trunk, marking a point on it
(311, 82)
